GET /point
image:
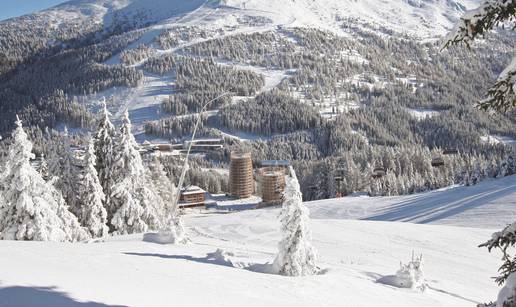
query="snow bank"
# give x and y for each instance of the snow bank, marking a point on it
(409, 275)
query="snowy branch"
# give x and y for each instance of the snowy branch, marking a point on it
(480, 20)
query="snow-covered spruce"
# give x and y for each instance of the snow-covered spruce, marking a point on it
(503, 93)
(43, 168)
(33, 209)
(508, 167)
(505, 240)
(172, 230)
(65, 170)
(92, 215)
(507, 295)
(296, 256)
(137, 206)
(476, 23)
(104, 152)
(163, 184)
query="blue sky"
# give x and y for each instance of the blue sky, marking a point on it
(13, 8)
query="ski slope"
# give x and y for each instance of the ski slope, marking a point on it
(223, 263)
(490, 204)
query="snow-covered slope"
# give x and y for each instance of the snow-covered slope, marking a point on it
(126, 271)
(354, 254)
(416, 17)
(487, 205)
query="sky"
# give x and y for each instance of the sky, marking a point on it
(14, 8)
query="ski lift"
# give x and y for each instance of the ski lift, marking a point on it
(378, 172)
(437, 161)
(450, 151)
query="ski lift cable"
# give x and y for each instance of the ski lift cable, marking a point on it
(185, 164)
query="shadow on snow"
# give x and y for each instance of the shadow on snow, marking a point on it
(219, 257)
(17, 296)
(430, 207)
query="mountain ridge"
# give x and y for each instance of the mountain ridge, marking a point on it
(421, 18)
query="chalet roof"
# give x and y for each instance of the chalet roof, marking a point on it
(192, 190)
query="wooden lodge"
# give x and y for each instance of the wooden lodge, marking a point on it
(191, 197)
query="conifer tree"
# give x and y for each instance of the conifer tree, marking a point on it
(296, 255)
(505, 240)
(137, 206)
(66, 173)
(33, 209)
(104, 152)
(476, 23)
(43, 168)
(93, 215)
(162, 183)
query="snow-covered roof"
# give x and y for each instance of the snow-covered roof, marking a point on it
(192, 190)
(275, 163)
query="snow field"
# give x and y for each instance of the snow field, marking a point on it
(220, 267)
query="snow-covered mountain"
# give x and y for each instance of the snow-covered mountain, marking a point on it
(417, 18)
(422, 18)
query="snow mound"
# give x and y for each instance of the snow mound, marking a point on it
(409, 275)
(221, 257)
(158, 238)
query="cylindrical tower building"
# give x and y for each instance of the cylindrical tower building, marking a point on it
(241, 182)
(272, 185)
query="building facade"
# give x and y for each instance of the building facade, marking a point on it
(192, 196)
(241, 181)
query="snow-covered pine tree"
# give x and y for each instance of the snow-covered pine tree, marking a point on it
(162, 183)
(135, 203)
(104, 152)
(33, 209)
(476, 23)
(505, 241)
(43, 168)
(508, 167)
(296, 255)
(66, 173)
(93, 215)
